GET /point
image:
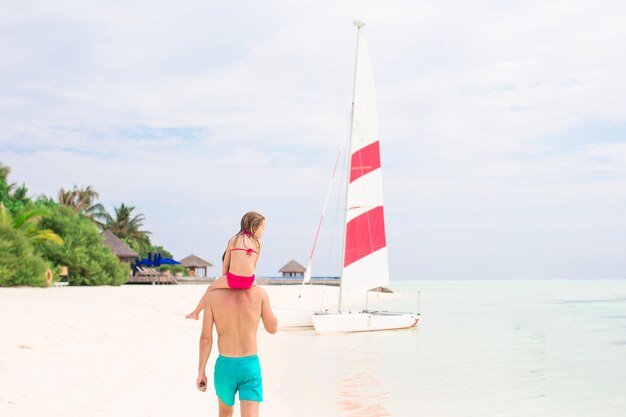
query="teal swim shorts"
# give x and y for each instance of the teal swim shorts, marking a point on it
(241, 374)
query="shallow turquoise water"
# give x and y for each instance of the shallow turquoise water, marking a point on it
(484, 348)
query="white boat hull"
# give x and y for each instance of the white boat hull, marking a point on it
(293, 318)
(364, 322)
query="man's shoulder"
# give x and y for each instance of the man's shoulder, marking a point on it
(219, 294)
(257, 289)
(257, 292)
(214, 296)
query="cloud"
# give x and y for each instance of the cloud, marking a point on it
(496, 120)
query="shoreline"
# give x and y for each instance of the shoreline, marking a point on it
(262, 281)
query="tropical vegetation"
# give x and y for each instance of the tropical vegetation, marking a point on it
(88, 260)
(19, 265)
(127, 226)
(83, 201)
(43, 234)
(13, 197)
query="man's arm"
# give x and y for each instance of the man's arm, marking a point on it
(206, 342)
(267, 315)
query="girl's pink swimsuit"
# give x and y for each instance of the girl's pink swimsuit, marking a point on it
(239, 282)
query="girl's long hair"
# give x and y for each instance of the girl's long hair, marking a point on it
(250, 223)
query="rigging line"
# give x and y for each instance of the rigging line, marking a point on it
(307, 273)
(340, 206)
(319, 225)
(342, 195)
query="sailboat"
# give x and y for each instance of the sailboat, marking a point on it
(365, 265)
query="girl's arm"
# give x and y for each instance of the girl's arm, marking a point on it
(226, 260)
(258, 255)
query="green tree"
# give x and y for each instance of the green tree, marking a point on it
(174, 269)
(4, 171)
(20, 231)
(18, 264)
(14, 197)
(154, 249)
(143, 251)
(134, 246)
(126, 225)
(89, 260)
(45, 201)
(83, 201)
(164, 252)
(27, 223)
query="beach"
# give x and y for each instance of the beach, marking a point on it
(102, 351)
(523, 348)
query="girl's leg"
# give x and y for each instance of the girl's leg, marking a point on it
(221, 282)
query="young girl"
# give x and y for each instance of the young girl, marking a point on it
(240, 259)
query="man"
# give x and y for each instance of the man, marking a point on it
(236, 315)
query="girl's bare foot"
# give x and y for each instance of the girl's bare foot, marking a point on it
(192, 315)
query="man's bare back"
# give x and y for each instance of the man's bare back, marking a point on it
(236, 314)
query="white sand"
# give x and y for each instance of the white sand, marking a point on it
(125, 351)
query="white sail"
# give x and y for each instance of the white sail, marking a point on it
(365, 264)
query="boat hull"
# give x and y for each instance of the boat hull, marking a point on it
(293, 318)
(364, 322)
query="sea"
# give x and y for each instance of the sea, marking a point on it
(483, 348)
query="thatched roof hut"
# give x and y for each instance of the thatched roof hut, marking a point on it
(197, 266)
(292, 269)
(119, 247)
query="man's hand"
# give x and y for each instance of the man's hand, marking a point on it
(201, 382)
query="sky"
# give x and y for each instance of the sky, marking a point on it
(503, 124)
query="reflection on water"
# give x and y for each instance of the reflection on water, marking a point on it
(361, 393)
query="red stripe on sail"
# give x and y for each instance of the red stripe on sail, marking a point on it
(365, 234)
(365, 160)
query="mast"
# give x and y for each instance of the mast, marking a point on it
(358, 24)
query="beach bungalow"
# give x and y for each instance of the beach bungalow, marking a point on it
(292, 269)
(120, 248)
(197, 266)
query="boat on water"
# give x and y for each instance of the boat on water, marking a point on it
(365, 264)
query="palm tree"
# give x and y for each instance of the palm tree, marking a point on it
(127, 226)
(82, 200)
(5, 187)
(27, 222)
(14, 197)
(4, 171)
(66, 198)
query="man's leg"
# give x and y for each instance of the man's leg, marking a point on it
(249, 408)
(251, 391)
(226, 410)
